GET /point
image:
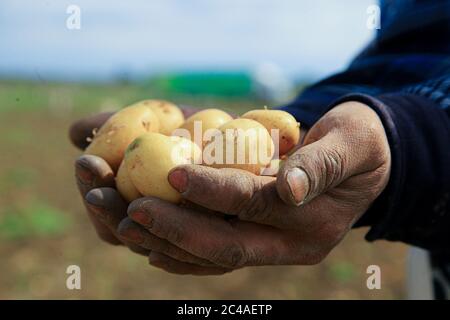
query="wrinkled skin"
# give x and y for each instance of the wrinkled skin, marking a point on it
(231, 218)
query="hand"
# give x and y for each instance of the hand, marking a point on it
(294, 219)
(108, 211)
(93, 172)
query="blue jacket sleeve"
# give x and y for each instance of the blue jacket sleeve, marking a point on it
(403, 74)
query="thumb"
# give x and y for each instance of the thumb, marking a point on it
(313, 169)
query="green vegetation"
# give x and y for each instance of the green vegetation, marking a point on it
(217, 84)
(342, 271)
(17, 177)
(36, 219)
(21, 96)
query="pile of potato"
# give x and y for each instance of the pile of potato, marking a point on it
(141, 143)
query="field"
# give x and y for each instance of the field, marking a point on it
(44, 229)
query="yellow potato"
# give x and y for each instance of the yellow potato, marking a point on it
(289, 128)
(125, 185)
(111, 141)
(209, 119)
(150, 158)
(169, 115)
(243, 144)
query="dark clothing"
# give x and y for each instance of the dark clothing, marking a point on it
(404, 75)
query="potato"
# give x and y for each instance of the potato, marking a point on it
(243, 144)
(125, 185)
(150, 158)
(209, 119)
(169, 115)
(111, 141)
(289, 128)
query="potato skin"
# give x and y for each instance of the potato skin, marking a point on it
(255, 167)
(150, 158)
(289, 128)
(210, 119)
(169, 115)
(125, 186)
(111, 141)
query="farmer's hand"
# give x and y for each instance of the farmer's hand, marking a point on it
(107, 209)
(93, 172)
(296, 218)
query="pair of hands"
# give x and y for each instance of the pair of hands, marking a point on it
(231, 218)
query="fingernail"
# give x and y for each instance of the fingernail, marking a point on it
(142, 218)
(179, 180)
(298, 183)
(132, 234)
(94, 199)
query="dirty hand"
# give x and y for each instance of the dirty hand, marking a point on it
(95, 181)
(296, 218)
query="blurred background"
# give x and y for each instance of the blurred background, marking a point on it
(61, 60)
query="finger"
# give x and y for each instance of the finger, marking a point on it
(315, 168)
(239, 193)
(231, 244)
(171, 265)
(222, 190)
(93, 172)
(138, 235)
(230, 191)
(103, 232)
(196, 207)
(251, 198)
(107, 205)
(136, 249)
(82, 129)
(109, 208)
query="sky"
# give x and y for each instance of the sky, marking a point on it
(310, 38)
